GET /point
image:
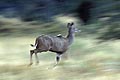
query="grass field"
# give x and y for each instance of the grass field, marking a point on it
(87, 59)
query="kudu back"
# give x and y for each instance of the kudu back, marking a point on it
(57, 44)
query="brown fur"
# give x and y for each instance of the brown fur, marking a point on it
(57, 44)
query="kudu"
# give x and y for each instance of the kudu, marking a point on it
(57, 44)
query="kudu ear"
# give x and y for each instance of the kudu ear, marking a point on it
(68, 25)
(72, 23)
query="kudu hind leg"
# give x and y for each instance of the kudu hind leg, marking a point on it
(37, 60)
(31, 53)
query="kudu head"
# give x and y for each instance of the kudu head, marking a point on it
(72, 28)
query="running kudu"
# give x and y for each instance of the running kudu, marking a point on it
(57, 44)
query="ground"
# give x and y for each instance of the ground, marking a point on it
(87, 60)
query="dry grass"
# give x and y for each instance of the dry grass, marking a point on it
(87, 61)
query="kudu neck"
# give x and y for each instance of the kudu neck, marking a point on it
(70, 37)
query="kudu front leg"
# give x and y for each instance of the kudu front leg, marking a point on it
(58, 56)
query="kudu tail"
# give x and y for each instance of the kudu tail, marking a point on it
(36, 42)
(32, 45)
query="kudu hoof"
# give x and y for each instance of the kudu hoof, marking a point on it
(37, 63)
(30, 64)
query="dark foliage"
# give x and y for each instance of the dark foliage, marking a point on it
(113, 33)
(84, 11)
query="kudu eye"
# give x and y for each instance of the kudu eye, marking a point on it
(74, 28)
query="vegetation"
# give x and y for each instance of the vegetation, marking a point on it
(94, 55)
(87, 59)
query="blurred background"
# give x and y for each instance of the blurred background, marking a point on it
(94, 55)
